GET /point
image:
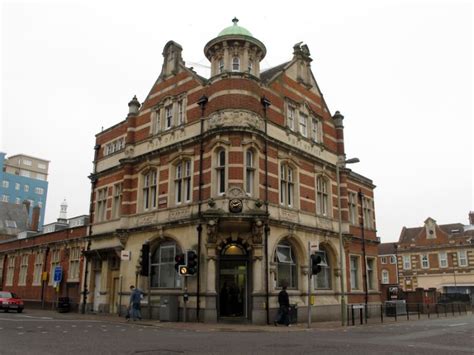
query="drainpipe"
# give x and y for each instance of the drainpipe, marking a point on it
(202, 104)
(266, 103)
(93, 179)
(361, 195)
(43, 282)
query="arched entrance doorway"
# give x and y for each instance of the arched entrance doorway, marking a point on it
(233, 283)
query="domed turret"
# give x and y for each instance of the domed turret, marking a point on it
(235, 50)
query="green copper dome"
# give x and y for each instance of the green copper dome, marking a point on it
(235, 30)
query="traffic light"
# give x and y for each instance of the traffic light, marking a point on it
(192, 263)
(180, 262)
(315, 261)
(144, 260)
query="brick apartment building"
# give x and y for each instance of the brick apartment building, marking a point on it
(241, 168)
(387, 270)
(437, 256)
(27, 264)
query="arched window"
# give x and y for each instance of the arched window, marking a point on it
(220, 171)
(323, 279)
(182, 182)
(221, 65)
(236, 64)
(149, 190)
(287, 187)
(385, 277)
(286, 265)
(322, 197)
(249, 172)
(163, 274)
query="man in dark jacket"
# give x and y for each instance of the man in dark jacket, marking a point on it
(284, 302)
(135, 299)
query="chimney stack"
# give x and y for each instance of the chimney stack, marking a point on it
(35, 217)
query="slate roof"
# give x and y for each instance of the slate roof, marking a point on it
(407, 234)
(387, 248)
(16, 213)
(266, 75)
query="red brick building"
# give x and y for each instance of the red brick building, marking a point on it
(241, 168)
(27, 265)
(437, 256)
(388, 271)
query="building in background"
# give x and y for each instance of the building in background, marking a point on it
(23, 177)
(241, 169)
(388, 271)
(437, 256)
(27, 265)
(13, 219)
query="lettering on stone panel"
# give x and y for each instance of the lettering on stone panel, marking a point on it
(289, 215)
(146, 220)
(304, 145)
(323, 223)
(172, 137)
(179, 214)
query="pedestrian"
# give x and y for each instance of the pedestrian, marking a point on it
(283, 312)
(135, 299)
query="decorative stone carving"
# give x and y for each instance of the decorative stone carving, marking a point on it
(257, 231)
(123, 237)
(235, 192)
(129, 152)
(212, 231)
(235, 118)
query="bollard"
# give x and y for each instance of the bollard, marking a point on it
(428, 306)
(347, 311)
(381, 313)
(418, 308)
(406, 309)
(452, 308)
(459, 308)
(436, 308)
(396, 312)
(352, 311)
(446, 310)
(361, 316)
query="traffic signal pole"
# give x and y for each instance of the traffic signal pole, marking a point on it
(310, 273)
(184, 297)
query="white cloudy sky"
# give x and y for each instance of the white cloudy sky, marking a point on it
(400, 72)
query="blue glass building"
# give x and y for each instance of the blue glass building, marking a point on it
(24, 177)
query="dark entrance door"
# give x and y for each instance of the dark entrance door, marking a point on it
(233, 283)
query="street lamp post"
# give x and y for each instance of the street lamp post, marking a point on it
(342, 263)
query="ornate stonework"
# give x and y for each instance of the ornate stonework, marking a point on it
(235, 118)
(212, 231)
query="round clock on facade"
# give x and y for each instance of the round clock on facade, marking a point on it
(235, 205)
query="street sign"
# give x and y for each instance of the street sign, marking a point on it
(58, 274)
(125, 255)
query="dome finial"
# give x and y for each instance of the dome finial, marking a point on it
(235, 20)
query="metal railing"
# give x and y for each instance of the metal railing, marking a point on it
(395, 311)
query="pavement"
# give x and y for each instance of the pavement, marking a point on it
(190, 326)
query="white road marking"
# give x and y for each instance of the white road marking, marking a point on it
(457, 325)
(21, 333)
